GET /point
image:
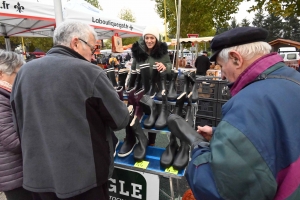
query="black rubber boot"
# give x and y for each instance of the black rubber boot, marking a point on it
(183, 131)
(189, 114)
(182, 157)
(119, 90)
(138, 80)
(161, 121)
(138, 94)
(153, 87)
(133, 75)
(139, 152)
(192, 77)
(179, 104)
(186, 87)
(122, 77)
(163, 77)
(145, 73)
(172, 93)
(149, 107)
(168, 155)
(129, 141)
(112, 77)
(130, 93)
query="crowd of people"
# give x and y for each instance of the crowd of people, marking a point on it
(58, 120)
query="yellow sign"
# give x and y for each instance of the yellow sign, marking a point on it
(171, 170)
(142, 164)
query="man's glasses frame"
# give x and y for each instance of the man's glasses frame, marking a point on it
(93, 49)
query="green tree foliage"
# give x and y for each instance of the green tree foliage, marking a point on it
(127, 15)
(197, 16)
(234, 23)
(274, 26)
(278, 7)
(95, 3)
(258, 18)
(245, 22)
(292, 28)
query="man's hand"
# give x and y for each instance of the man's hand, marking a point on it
(205, 131)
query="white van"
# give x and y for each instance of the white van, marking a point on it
(287, 49)
(292, 59)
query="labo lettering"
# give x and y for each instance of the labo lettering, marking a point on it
(136, 189)
(4, 5)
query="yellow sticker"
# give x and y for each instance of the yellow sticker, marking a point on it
(171, 170)
(142, 164)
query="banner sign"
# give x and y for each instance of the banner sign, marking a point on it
(133, 185)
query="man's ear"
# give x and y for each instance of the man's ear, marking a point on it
(236, 58)
(74, 44)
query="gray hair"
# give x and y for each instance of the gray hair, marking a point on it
(10, 61)
(67, 30)
(247, 51)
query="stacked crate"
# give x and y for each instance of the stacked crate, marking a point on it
(213, 94)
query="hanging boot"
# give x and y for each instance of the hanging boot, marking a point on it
(179, 104)
(138, 80)
(129, 141)
(163, 76)
(112, 77)
(182, 156)
(119, 90)
(168, 155)
(130, 93)
(149, 107)
(172, 93)
(133, 75)
(153, 87)
(122, 77)
(186, 87)
(145, 74)
(161, 121)
(140, 149)
(192, 77)
(189, 114)
(183, 131)
(138, 108)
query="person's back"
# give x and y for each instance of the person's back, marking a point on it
(70, 112)
(202, 64)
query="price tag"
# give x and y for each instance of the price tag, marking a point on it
(142, 164)
(171, 170)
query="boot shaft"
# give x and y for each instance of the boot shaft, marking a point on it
(133, 75)
(153, 86)
(119, 90)
(145, 74)
(186, 82)
(112, 77)
(138, 82)
(122, 77)
(172, 92)
(179, 104)
(163, 76)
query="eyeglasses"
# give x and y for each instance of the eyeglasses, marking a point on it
(93, 49)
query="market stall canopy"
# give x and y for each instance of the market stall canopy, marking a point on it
(27, 18)
(192, 40)
(104, 23)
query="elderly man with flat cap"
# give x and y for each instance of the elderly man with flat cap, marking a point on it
(254, 152)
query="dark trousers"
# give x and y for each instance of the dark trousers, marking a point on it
(18, 194)
(97, 193)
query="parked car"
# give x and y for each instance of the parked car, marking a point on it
(292, 59)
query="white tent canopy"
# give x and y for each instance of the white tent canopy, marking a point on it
(194, 40)
(105, 25)
(26, 18)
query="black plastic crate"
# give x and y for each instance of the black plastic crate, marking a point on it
(205, 121)
(207, 107)
(219, 108)
(223, 91)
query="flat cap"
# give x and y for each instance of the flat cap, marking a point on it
(235, 37)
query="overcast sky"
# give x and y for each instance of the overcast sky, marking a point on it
(144, 11)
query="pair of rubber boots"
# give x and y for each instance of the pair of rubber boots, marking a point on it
(133, 129)
(155, 118)
(174, 155)
(190, 77)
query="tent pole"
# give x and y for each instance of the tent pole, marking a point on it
(178, 32)
(7, 43)
(58, 12)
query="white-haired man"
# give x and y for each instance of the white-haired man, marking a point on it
(65, 110)
(254, 152)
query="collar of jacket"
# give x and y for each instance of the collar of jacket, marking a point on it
(255, 69)
(139, 50)
(66, 51)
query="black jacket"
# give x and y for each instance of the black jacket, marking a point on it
(65, 109)
(202, 64)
